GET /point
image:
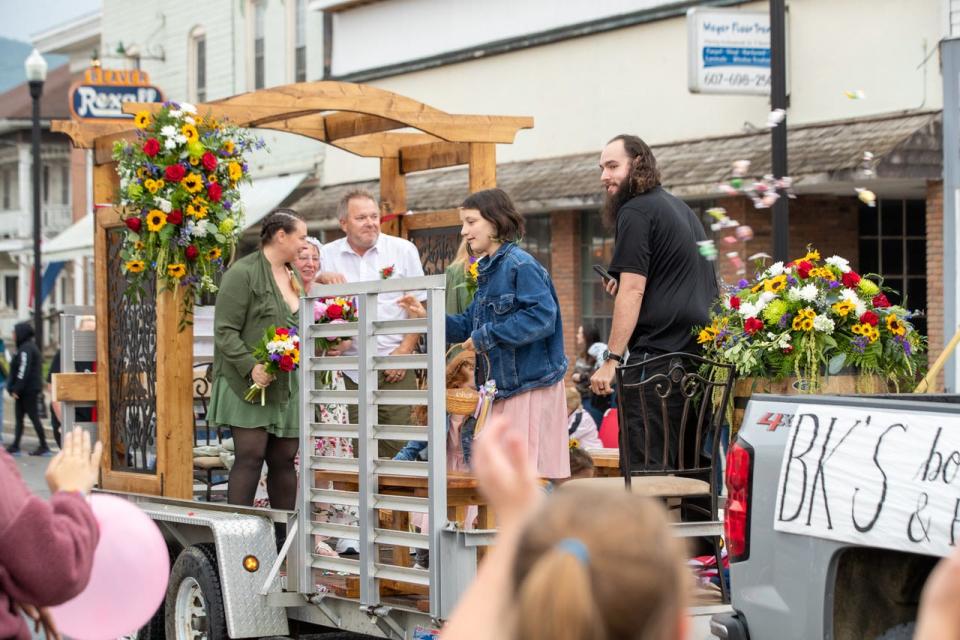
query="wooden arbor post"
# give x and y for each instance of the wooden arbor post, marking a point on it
(144, 382)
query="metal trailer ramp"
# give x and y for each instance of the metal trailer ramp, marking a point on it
(452, 563)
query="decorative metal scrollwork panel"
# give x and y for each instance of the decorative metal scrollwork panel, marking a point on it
(133, 369)
(437, 247)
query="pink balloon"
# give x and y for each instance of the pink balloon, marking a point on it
(131, 568)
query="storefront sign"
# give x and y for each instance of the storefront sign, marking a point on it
(871, 477)
(102, 93)
(729, 51)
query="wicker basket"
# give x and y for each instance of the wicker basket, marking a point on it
(463, 402)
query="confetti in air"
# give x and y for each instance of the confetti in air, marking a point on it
(857, 94)
(867, 197)
(775, 117)
(707, 249)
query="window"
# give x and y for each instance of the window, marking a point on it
(259, 70)
(536, 239)
(300, 42)
(65, 184)
(6, 189)
(596, 248)
(893, 245)
(10, 291)
(198, 64)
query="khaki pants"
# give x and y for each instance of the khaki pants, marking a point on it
(386, 414)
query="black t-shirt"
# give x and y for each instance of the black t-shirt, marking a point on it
(657, 236)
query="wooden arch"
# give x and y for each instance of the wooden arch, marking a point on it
(406, 135)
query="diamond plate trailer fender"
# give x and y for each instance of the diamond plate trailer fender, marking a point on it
(236, 536)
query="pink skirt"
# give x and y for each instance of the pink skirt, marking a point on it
(542, 415)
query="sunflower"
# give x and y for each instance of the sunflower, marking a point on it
(807, 324)
(201, 212)
(156, 220)
(212, 178)
(192, 183)
(142, 119)
(872, 333)
(135, 266)
(177, 270)
(189, 132)
(811, 256)
(151, 185)
(191, 210)
(141, 172)
(706, 335)
(214, 253)
(775, 284)
(859, 329)
(235, 171)
(139, 246)
(757, 287)
(194, 161)
(843, 308)
(895, 326)
(228, 147)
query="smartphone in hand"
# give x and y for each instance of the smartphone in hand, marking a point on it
(602, 272)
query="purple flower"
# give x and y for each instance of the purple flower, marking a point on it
(791, 280)
(834, 284)
(905, 344)
(293, 331)
(860, 344)
(782, 322)
(744, 283)
(227, 205)
(275, 357)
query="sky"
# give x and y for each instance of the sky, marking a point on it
(24, 18)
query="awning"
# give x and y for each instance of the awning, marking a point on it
(76, 241)
(265, 194)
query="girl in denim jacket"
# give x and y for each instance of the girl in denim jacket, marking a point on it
(515, 319)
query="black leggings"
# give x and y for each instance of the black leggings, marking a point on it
(27, 404)
(253, 447)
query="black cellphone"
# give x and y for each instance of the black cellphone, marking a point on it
(602, 272)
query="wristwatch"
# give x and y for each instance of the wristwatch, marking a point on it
(610, 355)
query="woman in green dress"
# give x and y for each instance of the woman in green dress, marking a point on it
(259, 291)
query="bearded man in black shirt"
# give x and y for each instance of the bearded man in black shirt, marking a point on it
(663, 287)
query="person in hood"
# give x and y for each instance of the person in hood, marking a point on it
(25, 384)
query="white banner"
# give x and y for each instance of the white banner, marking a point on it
(728, 51)
(872, 477)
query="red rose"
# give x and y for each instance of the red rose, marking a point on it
(803, 269)
(734, 302)
(209, 161)
(334, 312)
(788, 349)
(752, 325)
(869, 317)
(175, 173)
(880, 301)
(151, 147)
(286, 363)
(175, 217)
(851, 279)
(281, 332)
(214, 192)
(192, 252)
(133, 224)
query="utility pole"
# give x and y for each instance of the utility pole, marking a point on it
(778, 135)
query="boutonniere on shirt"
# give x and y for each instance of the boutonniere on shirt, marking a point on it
(386, 273)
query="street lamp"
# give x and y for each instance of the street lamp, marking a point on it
(36, 68)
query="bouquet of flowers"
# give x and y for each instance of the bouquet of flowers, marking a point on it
(808, 317)
(332, 311)
(179, 188)
(278, 351)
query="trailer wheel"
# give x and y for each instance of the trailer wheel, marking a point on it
(194, 602)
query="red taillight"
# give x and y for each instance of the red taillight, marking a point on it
(736, 519)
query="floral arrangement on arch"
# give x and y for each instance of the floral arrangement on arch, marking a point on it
(179, 186)
(807, 318)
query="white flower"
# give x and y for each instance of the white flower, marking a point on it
(748, 310)
(824, 324)
(164, 205)
(180, 138)
(189, 120)
(124, 182)
(860, 307)
(174, 113)
(850, 295)
(168, 131)
(808, 292)
(186, 107)
(198, 230)
(775, 270)
(793, 294)
(840, 263)
(170, 143)
(765, 298)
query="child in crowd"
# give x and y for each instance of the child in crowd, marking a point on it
(579, 564)
(459, 428)
(580, 424)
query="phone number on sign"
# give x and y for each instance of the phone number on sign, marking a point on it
(734, 79)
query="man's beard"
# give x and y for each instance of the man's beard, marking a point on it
(612, 203)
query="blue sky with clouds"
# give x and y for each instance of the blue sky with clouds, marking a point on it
(24, 18)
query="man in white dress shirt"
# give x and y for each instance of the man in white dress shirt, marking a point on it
(366, 254)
